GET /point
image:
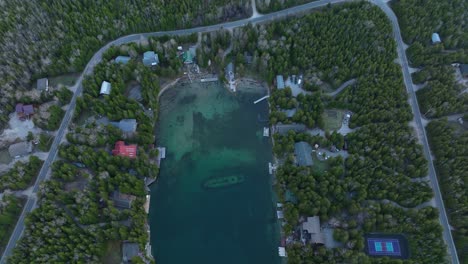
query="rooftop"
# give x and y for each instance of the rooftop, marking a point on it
(105, 88)
(122, 59)
(124, 150)
(122, 200)
(289, 112)
(42, 84)
(284, 128)
(126, 125)
(150, 58)
(464, 69)
(279, 82)
(129, 250)
(435, 38)
(303, 151)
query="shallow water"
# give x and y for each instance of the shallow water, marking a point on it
(209, 132)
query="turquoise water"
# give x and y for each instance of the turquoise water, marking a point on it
(209, 132)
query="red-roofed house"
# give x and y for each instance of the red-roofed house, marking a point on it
(124, 150)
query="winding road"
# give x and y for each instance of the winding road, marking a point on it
(256, 18)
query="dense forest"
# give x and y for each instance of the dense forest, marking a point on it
(441, 93)
(51, 37)
(76, 204)
(10, 209)
(448, 143)
(379, 187)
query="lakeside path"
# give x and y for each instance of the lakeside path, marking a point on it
(255, 19)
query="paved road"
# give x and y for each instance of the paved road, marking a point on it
(31, 203)
(254, 20)
(417, 116)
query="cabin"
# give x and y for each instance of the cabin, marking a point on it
(126, 125)
(464, 70)
(24, 111)
(105, 88)
(122, 200)
(42, 84)
(123, 150)
(150, 58)
(312, 227)
(122, 59)
(129, 251)
(279, 82)
(435, 38)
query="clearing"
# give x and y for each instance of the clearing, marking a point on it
(333, 119)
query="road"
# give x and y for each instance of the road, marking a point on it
(255, 19)
(419, 123)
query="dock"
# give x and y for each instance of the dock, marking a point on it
(266, 132)
(161, 155)
(261, 99)
(271, 168)
(215, 79)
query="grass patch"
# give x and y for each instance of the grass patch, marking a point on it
(319, 166)
(112, 253)
(83, 116)
(66, 79)
(332, 119)
(45, 141)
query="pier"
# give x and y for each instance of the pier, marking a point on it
(215, 79)
(261, 99)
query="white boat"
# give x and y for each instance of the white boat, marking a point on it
(266, 132)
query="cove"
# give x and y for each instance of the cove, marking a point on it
(210, 133)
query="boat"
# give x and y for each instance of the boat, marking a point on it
(219, 182)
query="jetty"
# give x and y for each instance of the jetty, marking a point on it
(214, 79)
(261, 99)
(271, 168)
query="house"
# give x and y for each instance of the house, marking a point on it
(105, 88)
(126, 125)
(289, 112)
(42, 84)
(20, 149)
(24, 111)
(312, 226)
(302, 151)
(150, 58)
(189, 55)
(124, 150)
(129, 250)
(122, 59)
(435, 38)
(122, 200)
(464, 70)
(279, 82)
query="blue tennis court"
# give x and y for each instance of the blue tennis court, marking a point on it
(383, 247)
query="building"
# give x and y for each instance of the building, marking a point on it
(105, 88)
(24, 111)
(20, 149)
(189, 55)
(279, 82)
(435, 38)
(129, 250)
(302, 151)
(248, 58)
(122, 59)
(124, 150)
(464, 70)
(289, 112)
(150, 58)
(126, 125)
(42, 84)
(312, 226)
(122, 200)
